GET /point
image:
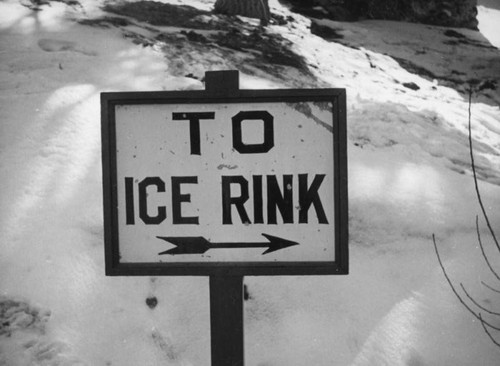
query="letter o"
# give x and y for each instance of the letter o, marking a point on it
(268, 142)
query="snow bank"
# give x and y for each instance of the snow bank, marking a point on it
(408, 178)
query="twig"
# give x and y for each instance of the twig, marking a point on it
(454, 290)
(482, 250)
(483, 323)
(475, 176)
(476, 303)
(490, 287)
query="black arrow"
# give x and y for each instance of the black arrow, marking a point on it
(199, 245)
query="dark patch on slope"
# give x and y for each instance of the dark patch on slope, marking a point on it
(256, 47)
(461, 39)
(325, 32)
(273, 48)
(156, 13)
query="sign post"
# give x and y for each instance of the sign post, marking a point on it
(226, 292)
(225, 183)
(226, 320)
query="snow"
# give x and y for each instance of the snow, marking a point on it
(488, 16)
(409, 178)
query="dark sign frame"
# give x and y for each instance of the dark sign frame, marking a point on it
(224, 94)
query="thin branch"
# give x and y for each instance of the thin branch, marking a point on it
(482, 250)
(476, 303)
(475, 176)
(490, 287)
(483, 323)
(453, 287)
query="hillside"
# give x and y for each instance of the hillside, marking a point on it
(409, 177)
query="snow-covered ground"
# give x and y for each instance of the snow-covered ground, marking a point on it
(409, 178)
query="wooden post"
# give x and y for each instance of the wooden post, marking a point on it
(222, 82)
(226, 320)
(226, 291)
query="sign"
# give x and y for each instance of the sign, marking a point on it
(240, 182)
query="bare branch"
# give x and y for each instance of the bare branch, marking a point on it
(478, 315)
(455, 291)
(475, 176)
(476, 303)
(483, 323)
(490, 287)
(482, 250)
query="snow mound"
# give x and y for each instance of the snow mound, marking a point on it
(55, 45)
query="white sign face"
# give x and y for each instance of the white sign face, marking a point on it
(233, 182)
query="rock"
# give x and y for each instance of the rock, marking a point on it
(411, 85)
(325, 32)
(449, 13)
(458, 13)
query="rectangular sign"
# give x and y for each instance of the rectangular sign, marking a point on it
(251, 183)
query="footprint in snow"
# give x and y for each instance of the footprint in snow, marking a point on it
(58, 45)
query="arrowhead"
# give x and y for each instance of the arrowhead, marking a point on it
(276, 243)
(186, 245)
